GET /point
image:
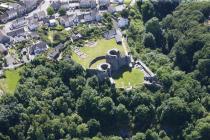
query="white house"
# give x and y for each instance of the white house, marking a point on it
(122, 22)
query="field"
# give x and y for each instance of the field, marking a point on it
(99, 50)
(129, 79)
(9, 84)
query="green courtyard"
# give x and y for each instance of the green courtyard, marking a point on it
(9, 83)
(100, 49)
(128, 79)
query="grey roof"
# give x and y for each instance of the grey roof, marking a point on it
(110, 34)
(3, 49)
(38, 48)
(16, 32)
(4, 38)
(104, 2)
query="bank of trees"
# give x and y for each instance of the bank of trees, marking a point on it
(58, 100)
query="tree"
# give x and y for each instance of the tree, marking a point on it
(82, 130)
(139, 136)
(147, 10)
(153, 26)
(50, 11)
(201, 130)
(93, 126)
(149, 40)
(144, 116)
(174, 113)
(62, 11)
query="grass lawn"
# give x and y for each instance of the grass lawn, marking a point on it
(127, 2)
(129, 79)
(10, 82)
(99, 50)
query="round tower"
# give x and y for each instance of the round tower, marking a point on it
(113, 57)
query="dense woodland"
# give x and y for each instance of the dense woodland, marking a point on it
(58, 100)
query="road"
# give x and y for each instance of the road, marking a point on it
(42, 7)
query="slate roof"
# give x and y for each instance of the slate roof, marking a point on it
(17, 32)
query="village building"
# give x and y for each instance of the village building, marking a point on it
(52, 22)
(54, 54)
(88, 4)
(40, 15)
(75, 37)
(110, 34)
(122, 22)
(18, 32)
(33, 25)
(104, 4)
(38, 48)
(18, 23)
(4, 39)
(120, 8)
(3, 49)
(68, 21)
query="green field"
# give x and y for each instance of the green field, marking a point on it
(99, 50)
(9, 84)
(129, 79)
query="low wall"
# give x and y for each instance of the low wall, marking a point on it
(96, 59)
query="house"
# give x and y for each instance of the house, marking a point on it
(18, 23)
(11, 14)
(54, 54)
(68, 21)
(118, 39)
(118, 1)
(30, 4)
(75, 37)
(40, 15)
(38, 48)
(19, 39)
(92, 16)
(18, 32)
(56, 5)
(104, 4)
(4, 39)
(3, 49)
(111, 9)
(88, 4)
(120, 8)
(52, 22)
(4, 18)
(33, 25)
(122, 22)
(110, 34)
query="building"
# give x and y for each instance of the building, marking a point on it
(3, 49)
(54, 54)
(18, 32)
(12, 14)
(104, 4)
(115, 62)
(88, 4)
(38, 48)
(122, 22)
(4, 39)
(120, 8)
(110, 34)
(40, 15)
(75, 37)
(52, 22)
(18, 23)
(33, 25)
(68, 21)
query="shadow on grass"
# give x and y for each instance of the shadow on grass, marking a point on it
(119, 74)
